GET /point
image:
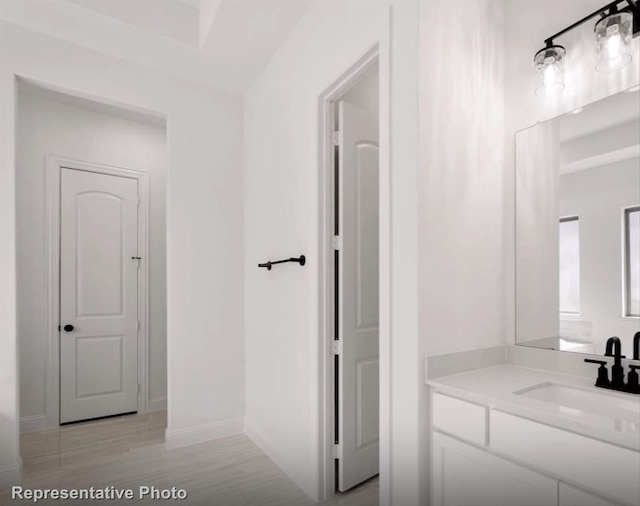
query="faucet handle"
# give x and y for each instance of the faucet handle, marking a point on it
(633, 382)
(603, 374)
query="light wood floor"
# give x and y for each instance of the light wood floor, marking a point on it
(129, 451)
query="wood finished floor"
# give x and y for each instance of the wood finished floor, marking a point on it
(129, 451)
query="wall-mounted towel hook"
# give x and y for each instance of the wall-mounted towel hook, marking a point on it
(300, 260)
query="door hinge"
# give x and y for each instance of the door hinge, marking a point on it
(336, 451)
(138, 387)
(336, 347)
(139, 325)
(336, 242)
(336, 138)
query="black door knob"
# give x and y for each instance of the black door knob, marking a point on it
(68, 328)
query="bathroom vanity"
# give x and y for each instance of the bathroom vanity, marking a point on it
(531, 432)
(509, 435)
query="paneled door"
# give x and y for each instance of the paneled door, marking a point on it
(98, 295)
(358, 268)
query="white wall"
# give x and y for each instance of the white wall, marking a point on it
(47, 125)
(598, 196)
(281, 206)
(205, 375)
(528, 23)
(461, 175)
(460, 178)
(281, 199)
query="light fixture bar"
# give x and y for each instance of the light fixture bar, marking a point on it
(632, 7)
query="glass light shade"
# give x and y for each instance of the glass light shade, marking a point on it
(549, 64)
(613, 41)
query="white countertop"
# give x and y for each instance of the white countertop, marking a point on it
(495, 387)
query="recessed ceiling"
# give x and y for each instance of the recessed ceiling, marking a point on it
(222, 43)
(176, 19)
(602, 133)
(600, 116)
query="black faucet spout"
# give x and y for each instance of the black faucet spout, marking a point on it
(614, 349)
(636, 346)
(614, 342)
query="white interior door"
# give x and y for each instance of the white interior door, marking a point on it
(98, 295)
(358, 404)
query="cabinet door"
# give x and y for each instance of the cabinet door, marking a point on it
(467, 476)
(572, 496)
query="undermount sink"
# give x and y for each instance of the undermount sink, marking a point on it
(619, 412)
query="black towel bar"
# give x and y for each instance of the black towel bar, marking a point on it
(301, 260)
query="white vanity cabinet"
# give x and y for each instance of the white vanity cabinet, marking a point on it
(483, 456)
(464, 475)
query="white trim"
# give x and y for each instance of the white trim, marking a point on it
(54, 165)
(203, 433)
(33, 423)
(379, 53)
(157, 404)
(11, 475)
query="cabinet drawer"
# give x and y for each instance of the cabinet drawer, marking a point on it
(462, 419)
(595, 464)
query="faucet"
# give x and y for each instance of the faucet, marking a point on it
(614, 349)
(633, 379)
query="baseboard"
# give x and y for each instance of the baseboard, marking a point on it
(11, 475)
(157, 404)
(203, 433)
(292, 471)
(33, 423)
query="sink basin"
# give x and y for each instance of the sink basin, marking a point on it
(612, 410)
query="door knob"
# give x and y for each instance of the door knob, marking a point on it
(68, 328)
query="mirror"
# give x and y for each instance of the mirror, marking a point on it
(578, 228)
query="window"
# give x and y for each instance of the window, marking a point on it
(632, 261)
(569, 265)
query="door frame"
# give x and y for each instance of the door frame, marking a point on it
(378, 54)
(54, 166)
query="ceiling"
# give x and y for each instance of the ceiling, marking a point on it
(601, 133)
(222, 43)
(600, 116)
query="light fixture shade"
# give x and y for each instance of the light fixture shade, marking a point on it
(549, 64)
(613, 41)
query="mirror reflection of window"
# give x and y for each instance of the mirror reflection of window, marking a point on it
(569, 265)
(632, 261)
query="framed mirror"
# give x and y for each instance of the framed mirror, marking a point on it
(578, 228)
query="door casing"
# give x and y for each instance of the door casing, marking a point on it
(378, 53)
(54, 166)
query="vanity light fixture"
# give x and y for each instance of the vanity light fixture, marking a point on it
(614, 31)
(550, 69)
(613, 40)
